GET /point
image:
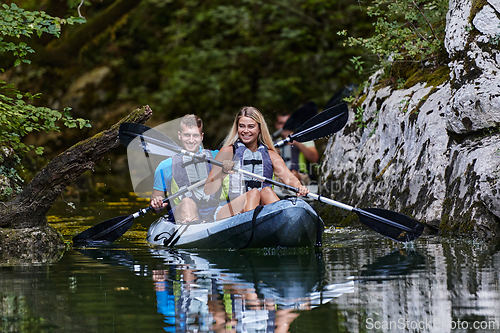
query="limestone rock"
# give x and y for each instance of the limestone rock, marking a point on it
(457, 26)
(430, 152)
(487, 21)
(475, 104)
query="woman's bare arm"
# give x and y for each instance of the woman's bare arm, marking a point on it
(217, 175)
(285, 174)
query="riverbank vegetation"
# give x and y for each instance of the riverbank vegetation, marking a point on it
(407, 44)
(18, 116)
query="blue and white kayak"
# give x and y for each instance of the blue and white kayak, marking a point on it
(285, 223)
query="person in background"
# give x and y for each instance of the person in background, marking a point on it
(180, 171)
(251, 146)
(298, 156)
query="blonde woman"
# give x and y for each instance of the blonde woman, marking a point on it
(248, 146)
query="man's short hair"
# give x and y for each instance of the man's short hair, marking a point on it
(283, 114)
(191, 120)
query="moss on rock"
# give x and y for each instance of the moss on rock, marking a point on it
(42, 244)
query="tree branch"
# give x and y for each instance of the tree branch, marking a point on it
(29, 209)
(425, 18)
(79, 6)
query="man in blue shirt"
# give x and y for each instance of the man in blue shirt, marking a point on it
(181, 171)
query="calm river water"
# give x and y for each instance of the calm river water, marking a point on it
(357, 282)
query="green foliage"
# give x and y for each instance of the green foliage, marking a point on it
(212, 57)
(362, 123)
(18, 117)
(358, 64)
(358, 118)
(403, 105)
(407, 31)
(13, 186)
(10, 181)
(495, 40)
(349, 99)
(400, 83)
(17, 22)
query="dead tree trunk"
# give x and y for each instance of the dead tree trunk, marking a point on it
(29, 209)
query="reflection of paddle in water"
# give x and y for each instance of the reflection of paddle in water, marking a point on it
(393, 265)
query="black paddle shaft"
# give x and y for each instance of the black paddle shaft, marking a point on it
(112, 229)
(390, 224)
(203, 158)
(393, 225)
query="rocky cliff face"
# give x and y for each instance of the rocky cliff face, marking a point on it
(431, 152)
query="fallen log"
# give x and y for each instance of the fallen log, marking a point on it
(27, 212)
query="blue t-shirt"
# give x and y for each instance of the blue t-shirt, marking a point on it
(163, 173)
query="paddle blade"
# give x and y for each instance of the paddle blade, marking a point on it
(129, 131)
(107, 231)
(300, 116)
(338, 97)
(391, 224)
(146, 149)
(145, 139)
(323, 124)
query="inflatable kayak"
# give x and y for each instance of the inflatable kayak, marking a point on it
(285, 223)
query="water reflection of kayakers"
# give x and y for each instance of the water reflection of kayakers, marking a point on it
(181, 301)
(187, 299)
(181, 171)
(239, 309)
(251, 144)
